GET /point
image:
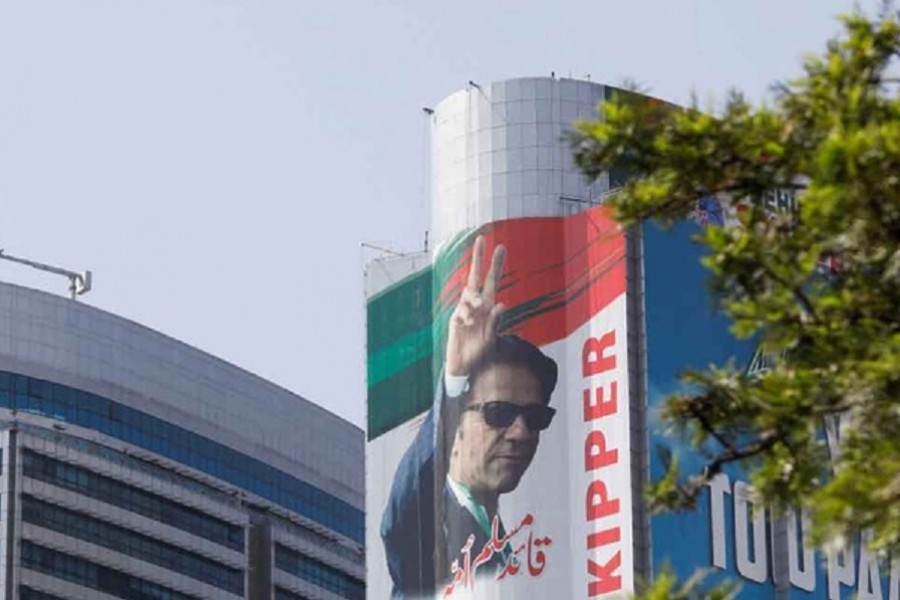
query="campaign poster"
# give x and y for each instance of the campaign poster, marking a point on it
(498, 450)
(731, 535)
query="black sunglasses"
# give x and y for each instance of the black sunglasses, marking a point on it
(500, 414)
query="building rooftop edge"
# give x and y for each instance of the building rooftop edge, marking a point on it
(176, 342)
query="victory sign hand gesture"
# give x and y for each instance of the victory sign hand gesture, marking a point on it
(474, 323)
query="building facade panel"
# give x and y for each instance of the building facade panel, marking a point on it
(499, 152)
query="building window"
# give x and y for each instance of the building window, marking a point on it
(281, 594)
(316, 572)
(27, 593)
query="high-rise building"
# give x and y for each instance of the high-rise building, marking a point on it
(516, 371)
(135, 466)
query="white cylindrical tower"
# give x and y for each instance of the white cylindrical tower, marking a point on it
(498, 152)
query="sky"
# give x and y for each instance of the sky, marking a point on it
(217, 164)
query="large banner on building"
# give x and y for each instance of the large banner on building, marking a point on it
(732, 535)
(498, 454)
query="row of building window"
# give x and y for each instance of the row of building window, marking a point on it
(134, 463)
(81, 408)
(319, 540)
(132, 544)
(152, 506)
(130, 462)
(27, 593)
(281, 594)
(94, 576)
(318, 573)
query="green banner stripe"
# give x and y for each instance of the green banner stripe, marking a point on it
(404, 352)
(400, 312)
(399, 355)
(401, 397)
(405, 308)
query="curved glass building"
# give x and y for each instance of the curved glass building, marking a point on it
(135, 466)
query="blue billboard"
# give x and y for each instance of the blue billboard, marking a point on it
(731, 534)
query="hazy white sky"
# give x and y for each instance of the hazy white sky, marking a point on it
(217, 163)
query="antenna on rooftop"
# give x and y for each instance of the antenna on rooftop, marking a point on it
(79, 283)
(381, 249)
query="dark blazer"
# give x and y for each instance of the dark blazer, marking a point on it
(419, 548)
(408, 526)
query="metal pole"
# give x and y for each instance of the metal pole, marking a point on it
(79, 283)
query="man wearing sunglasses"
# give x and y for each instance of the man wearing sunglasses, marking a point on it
(475, 444)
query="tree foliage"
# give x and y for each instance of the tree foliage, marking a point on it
(667, 587)
(834, 137)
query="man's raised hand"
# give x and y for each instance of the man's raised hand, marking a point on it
(474, 323)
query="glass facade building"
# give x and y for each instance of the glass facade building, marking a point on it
(135, 466)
